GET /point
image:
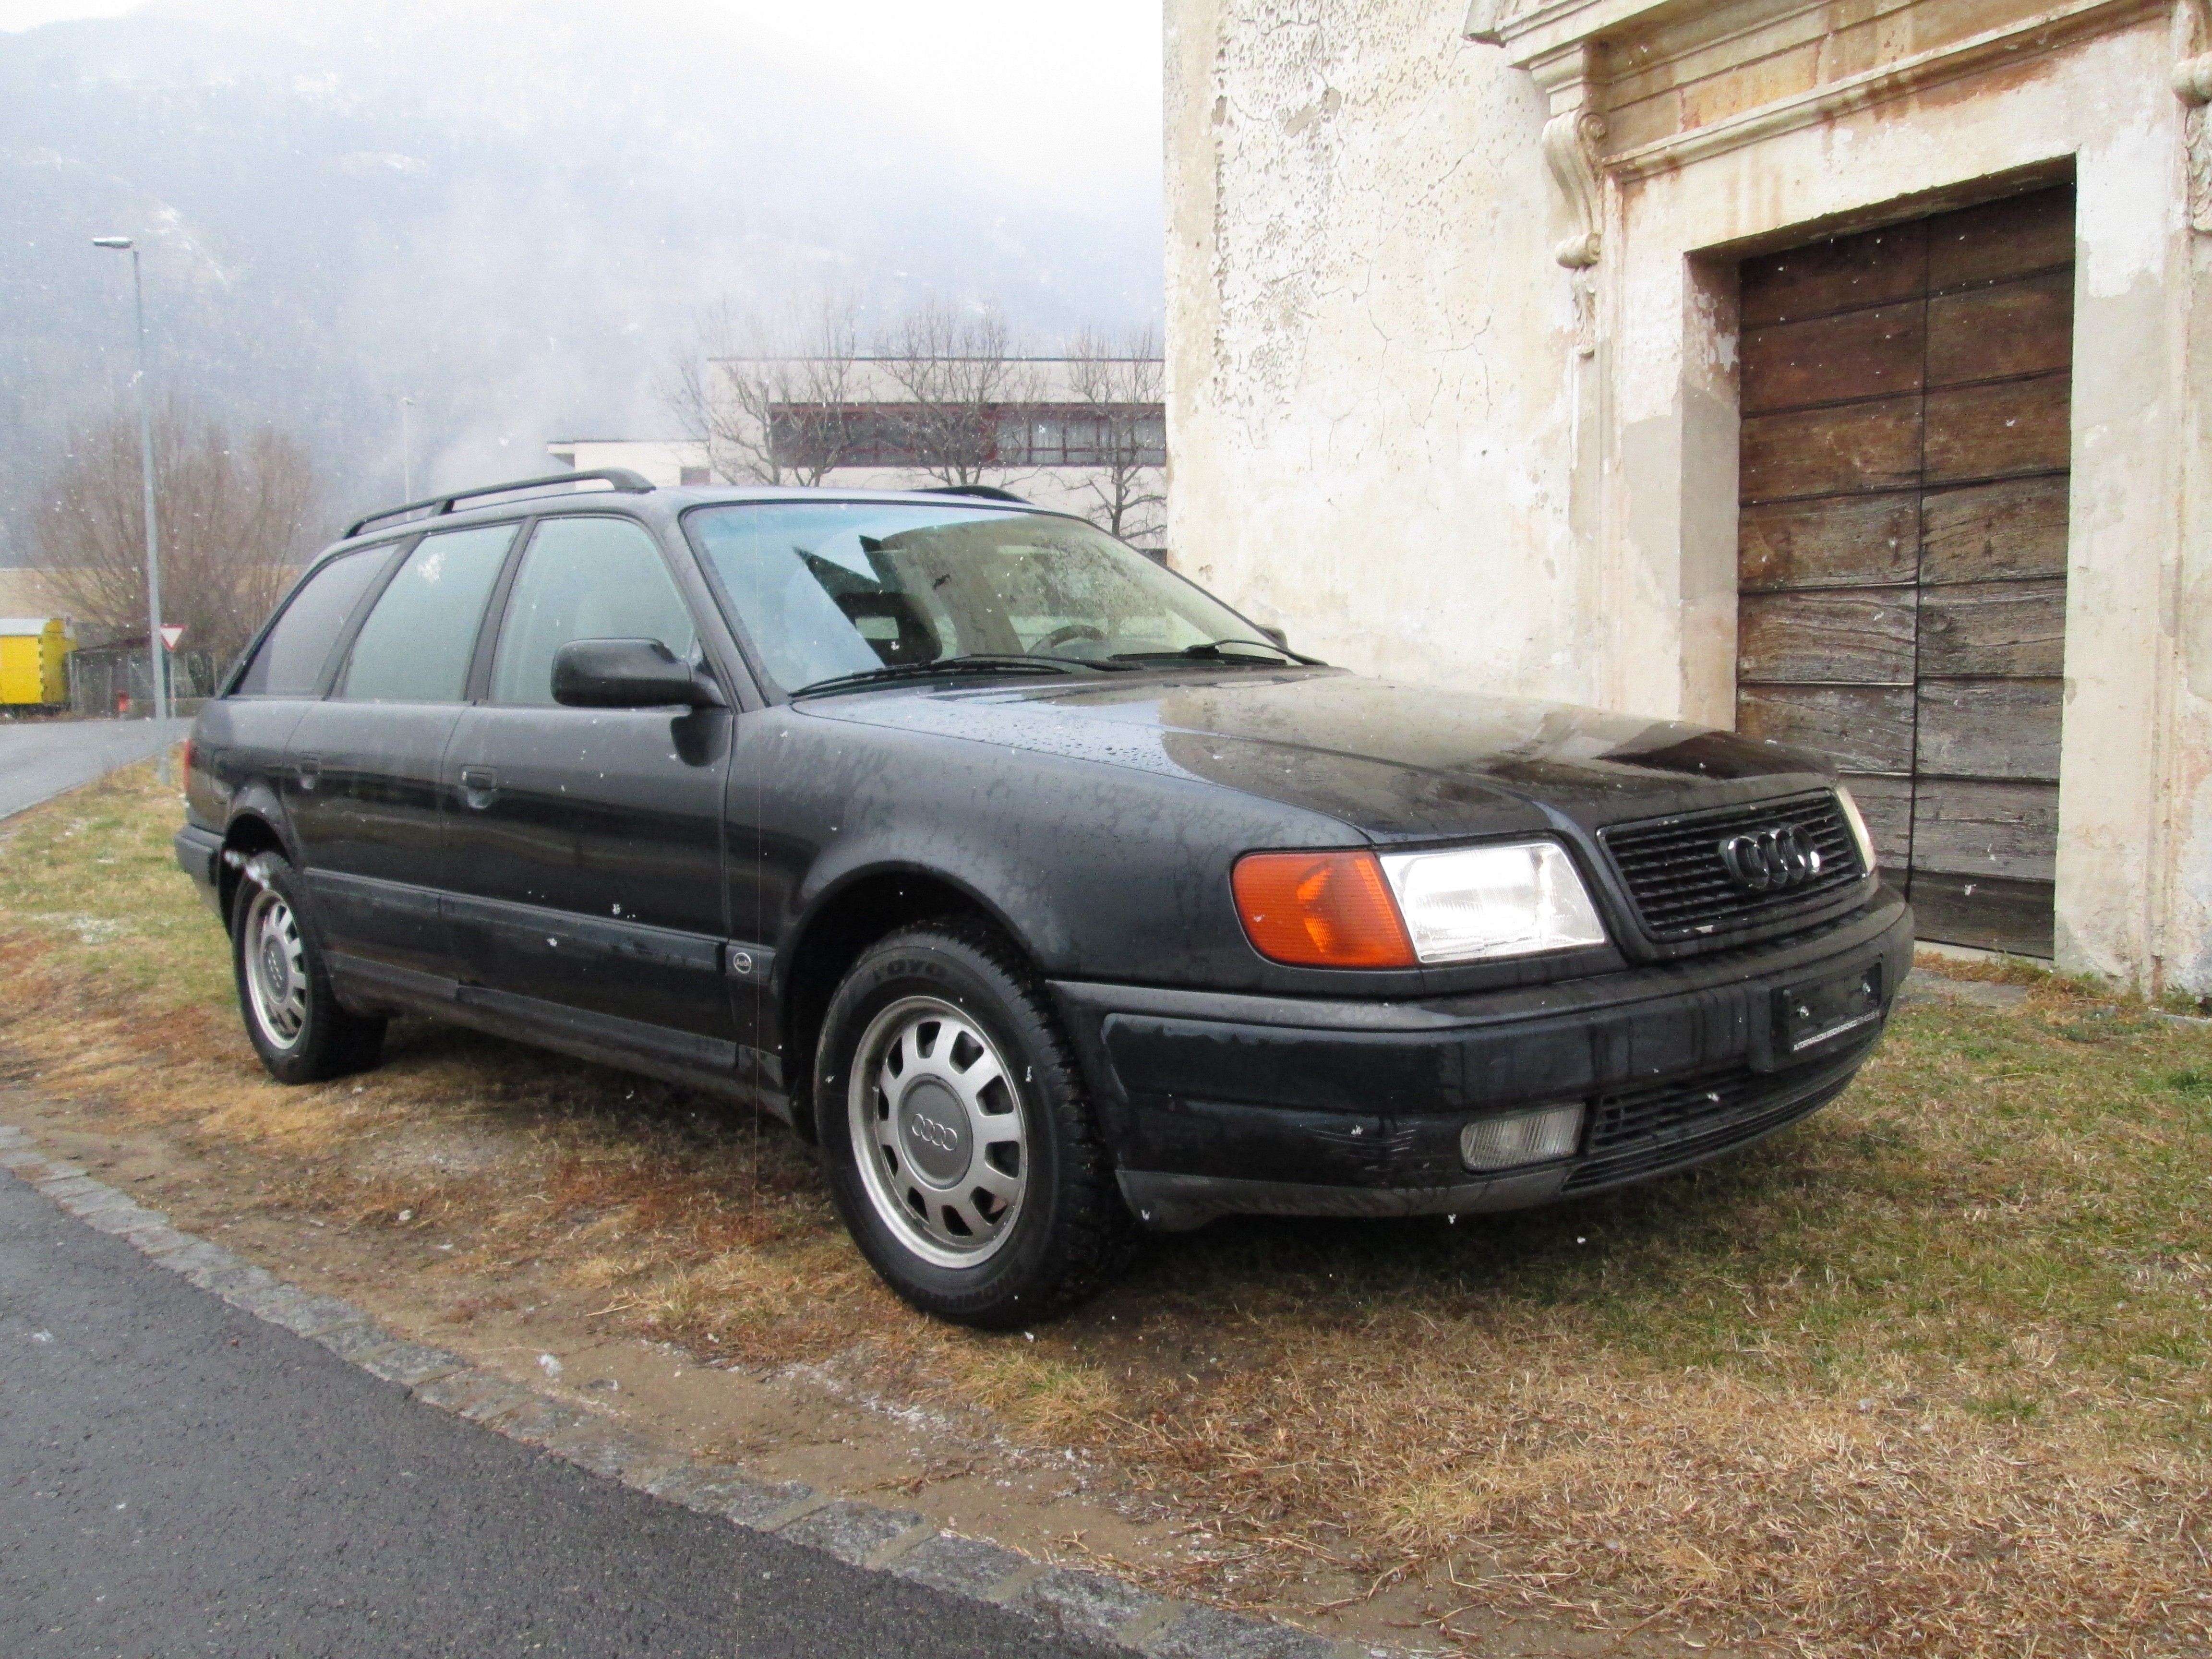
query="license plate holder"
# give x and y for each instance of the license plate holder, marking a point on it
(1821, 1011)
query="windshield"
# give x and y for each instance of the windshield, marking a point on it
(828, 589)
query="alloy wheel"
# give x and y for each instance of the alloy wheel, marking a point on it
(938, 1131)
(276, 968)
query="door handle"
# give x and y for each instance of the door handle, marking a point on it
(310, 768)
(479, 785)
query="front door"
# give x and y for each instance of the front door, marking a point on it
(587, 843)
(1902, 547)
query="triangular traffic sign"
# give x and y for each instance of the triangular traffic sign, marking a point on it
(170, 633)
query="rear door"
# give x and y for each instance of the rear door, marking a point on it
(243, 737)
(587, 843)
(363, 764)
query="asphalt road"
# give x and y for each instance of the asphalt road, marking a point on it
(176, 1478)
(39, 759)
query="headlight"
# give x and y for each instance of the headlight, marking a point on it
(1476, 903)
(1858, 828)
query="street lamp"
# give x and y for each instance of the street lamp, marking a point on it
(155, 648)
(406, 453)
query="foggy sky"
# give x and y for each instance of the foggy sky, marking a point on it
(513, 213)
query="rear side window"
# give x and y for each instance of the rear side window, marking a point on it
(289, 662)
(416, 644)
(585, 579)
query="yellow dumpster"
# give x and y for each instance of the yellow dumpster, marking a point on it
(34, 661)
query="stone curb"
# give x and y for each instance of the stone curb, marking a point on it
(1065, 1601)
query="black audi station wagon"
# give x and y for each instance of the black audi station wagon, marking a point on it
(1048, 896)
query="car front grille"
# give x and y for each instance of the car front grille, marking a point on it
(1674, 871)
(1641, 1131)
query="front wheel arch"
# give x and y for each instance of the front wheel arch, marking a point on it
(858, 913)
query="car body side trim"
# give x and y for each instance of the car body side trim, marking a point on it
(635, 941)
(727, 1069)
(359, 973)
(610, 1032)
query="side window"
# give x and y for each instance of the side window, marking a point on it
(289, 662)
(584, 579)
(416, 644)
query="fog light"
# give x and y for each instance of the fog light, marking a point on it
(1537, 1137)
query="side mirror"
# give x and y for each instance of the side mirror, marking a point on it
(1268, 630)
(629, 674)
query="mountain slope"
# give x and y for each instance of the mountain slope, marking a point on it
(513, 216)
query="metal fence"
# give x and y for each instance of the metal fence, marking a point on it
(108, 681)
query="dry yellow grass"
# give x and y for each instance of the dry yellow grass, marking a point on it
(1927, 1375)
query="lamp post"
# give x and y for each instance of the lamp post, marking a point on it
(156, 650)
(406, 453)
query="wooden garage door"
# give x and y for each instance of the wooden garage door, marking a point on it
(1902, 550)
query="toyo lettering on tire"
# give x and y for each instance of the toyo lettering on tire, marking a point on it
(292, 1016)
(962, 1151)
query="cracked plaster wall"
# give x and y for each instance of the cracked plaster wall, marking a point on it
(1365, 377)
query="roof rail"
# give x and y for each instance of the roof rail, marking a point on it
(624, 481)
(984, 492)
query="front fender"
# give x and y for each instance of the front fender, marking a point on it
(1096, 870)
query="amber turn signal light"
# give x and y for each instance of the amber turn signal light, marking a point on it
(1320, 910)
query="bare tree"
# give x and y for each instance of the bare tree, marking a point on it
(770, 397)
(234, 518)
(1119, 383)
(968, 396)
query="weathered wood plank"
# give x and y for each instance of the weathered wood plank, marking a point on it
(1991, 912)
(1886, 804)
(2001, 238)
(1857, 354)
(2024, 327)
(2015, 629)
(1874, 266)
(1991, 431)
(1850, 635)
(1831, 452)
(1974, 828)
(1982, 532)
(1857, 728)
(1989, 728)
(1833, 541)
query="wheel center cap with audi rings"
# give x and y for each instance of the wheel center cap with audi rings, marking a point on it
(933, 1129)
(275, 969)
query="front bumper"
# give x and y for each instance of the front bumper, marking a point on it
(1219, 1104)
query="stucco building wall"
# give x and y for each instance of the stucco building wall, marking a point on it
(1404, 429)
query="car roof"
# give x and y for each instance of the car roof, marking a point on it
(662, 500)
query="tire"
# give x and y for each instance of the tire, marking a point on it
(961, 1149)
(292, 1016)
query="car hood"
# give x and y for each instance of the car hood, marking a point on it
(1393, 760)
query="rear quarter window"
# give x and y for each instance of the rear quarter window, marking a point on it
(290, 660)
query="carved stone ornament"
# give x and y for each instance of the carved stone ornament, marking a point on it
(1570, 146)
(2192, 84)
(1486, 20)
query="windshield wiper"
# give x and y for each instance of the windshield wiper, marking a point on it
(977, 663)
(1280, 655)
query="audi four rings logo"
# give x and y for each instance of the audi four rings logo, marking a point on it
(931, 1133)
(1769, 860)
